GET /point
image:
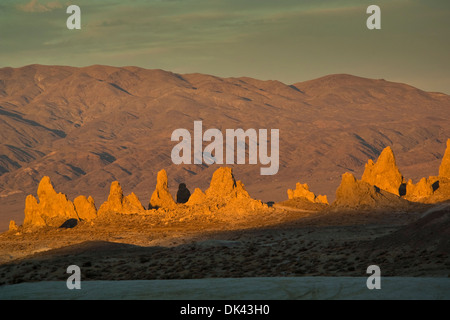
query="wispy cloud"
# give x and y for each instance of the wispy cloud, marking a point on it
(290, 40)
(36, 6)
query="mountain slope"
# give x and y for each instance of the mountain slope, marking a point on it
(85, 127)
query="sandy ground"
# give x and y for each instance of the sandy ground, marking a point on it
(280, 243)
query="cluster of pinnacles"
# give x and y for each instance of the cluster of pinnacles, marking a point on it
(381, 184)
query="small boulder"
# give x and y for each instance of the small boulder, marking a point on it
(69, 224)
(183, 193)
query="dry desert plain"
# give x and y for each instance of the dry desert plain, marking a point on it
(84, 130)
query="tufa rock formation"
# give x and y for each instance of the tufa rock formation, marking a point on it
(197, 197)
(420, 191)
(302, 191)
(32, 212)
(223, 187)
(444, 168)
(322, 199)
(161, 197)
(378, 188)
(225, 192)
(119, 204)
(53, 208)
(384, 173)
(183, 193)
(442, 186)
(13, 226)
(85, 208)
(353, 193)
(432, 189)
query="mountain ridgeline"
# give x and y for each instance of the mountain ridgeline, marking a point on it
(87, 127)
(381, 187)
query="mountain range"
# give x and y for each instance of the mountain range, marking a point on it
(86, 127)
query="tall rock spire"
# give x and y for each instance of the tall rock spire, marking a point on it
(384, 173)
(161, 197)
(444, 168)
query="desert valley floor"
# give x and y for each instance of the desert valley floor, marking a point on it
(89, 128)
(284, 241)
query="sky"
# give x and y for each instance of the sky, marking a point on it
(285, 40)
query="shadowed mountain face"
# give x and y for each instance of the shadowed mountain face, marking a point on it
(86, 127)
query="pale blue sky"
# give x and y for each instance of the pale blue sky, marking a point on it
(286, 40)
